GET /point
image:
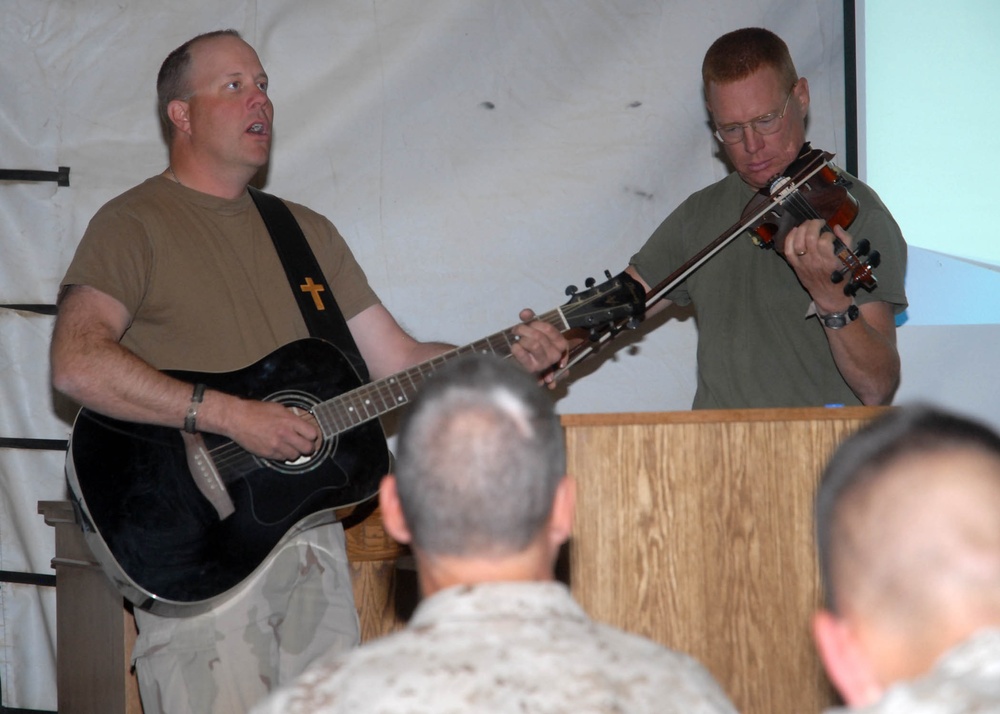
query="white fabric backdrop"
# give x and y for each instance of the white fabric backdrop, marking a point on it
(477, 156)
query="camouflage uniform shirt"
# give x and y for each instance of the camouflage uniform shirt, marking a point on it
(504, 647)
(965, 680)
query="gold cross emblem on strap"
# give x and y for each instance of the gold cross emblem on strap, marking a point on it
(310, 287)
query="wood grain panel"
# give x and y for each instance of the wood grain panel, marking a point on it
(94, 632)
(385, 585)
(695, 529)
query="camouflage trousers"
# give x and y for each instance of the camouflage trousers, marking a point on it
(296, 609)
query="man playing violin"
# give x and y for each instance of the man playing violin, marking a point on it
(775, 333)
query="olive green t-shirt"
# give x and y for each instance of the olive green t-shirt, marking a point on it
(756, 348)
(200, 276)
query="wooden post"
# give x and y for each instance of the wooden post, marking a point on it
(96, 632)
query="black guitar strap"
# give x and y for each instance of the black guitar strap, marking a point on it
(312, 292)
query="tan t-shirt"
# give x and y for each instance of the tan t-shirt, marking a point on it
(201, 278)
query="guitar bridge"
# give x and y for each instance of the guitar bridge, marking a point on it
(206, 475)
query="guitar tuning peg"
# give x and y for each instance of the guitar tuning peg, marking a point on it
(615, 329)
(607, 274)
(593, 335)
(590, 282)
(571, 290)
(632, 323)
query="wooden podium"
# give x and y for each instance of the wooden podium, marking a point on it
(693, 529)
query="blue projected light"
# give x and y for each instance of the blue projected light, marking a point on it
(929, 89)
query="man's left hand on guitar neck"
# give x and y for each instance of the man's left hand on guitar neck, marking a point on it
(541, 349)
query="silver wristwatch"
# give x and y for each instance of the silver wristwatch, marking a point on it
(836, 320)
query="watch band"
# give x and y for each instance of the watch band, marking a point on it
(191, 418)
(837, 320)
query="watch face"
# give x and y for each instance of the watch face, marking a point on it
(839, 319)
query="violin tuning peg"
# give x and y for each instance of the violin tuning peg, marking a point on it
(571, 290)
(590, 282)
(836, 276)
(851, 289)
(863, 247)
(874, 259)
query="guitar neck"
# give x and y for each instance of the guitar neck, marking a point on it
(372, 400)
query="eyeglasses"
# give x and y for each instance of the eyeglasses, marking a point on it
(764, 125)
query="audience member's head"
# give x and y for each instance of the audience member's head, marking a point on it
(908, 529)
(479, 489)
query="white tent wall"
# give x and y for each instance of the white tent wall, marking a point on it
(27, 611)
(477, 156)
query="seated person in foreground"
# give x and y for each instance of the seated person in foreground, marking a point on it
(481, 495)
(908, 523)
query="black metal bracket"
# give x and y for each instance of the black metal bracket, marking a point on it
(61, 176)
(9, 442)
(41, 309)
(10, 576)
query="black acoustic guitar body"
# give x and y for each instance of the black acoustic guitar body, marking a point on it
(163, 538)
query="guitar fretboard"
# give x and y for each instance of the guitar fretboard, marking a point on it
(372, 400)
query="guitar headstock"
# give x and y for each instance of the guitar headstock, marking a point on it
(618, 299)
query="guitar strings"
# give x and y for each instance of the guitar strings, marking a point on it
(231, 456)
(802, 206)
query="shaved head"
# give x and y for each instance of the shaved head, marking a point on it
(904, 545)
(908, 524)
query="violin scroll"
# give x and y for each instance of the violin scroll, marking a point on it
(873, 260)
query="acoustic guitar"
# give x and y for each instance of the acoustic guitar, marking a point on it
(177, 523)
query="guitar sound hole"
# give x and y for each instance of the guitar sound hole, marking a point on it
(305, 463)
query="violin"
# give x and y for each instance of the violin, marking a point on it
(809, 188)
